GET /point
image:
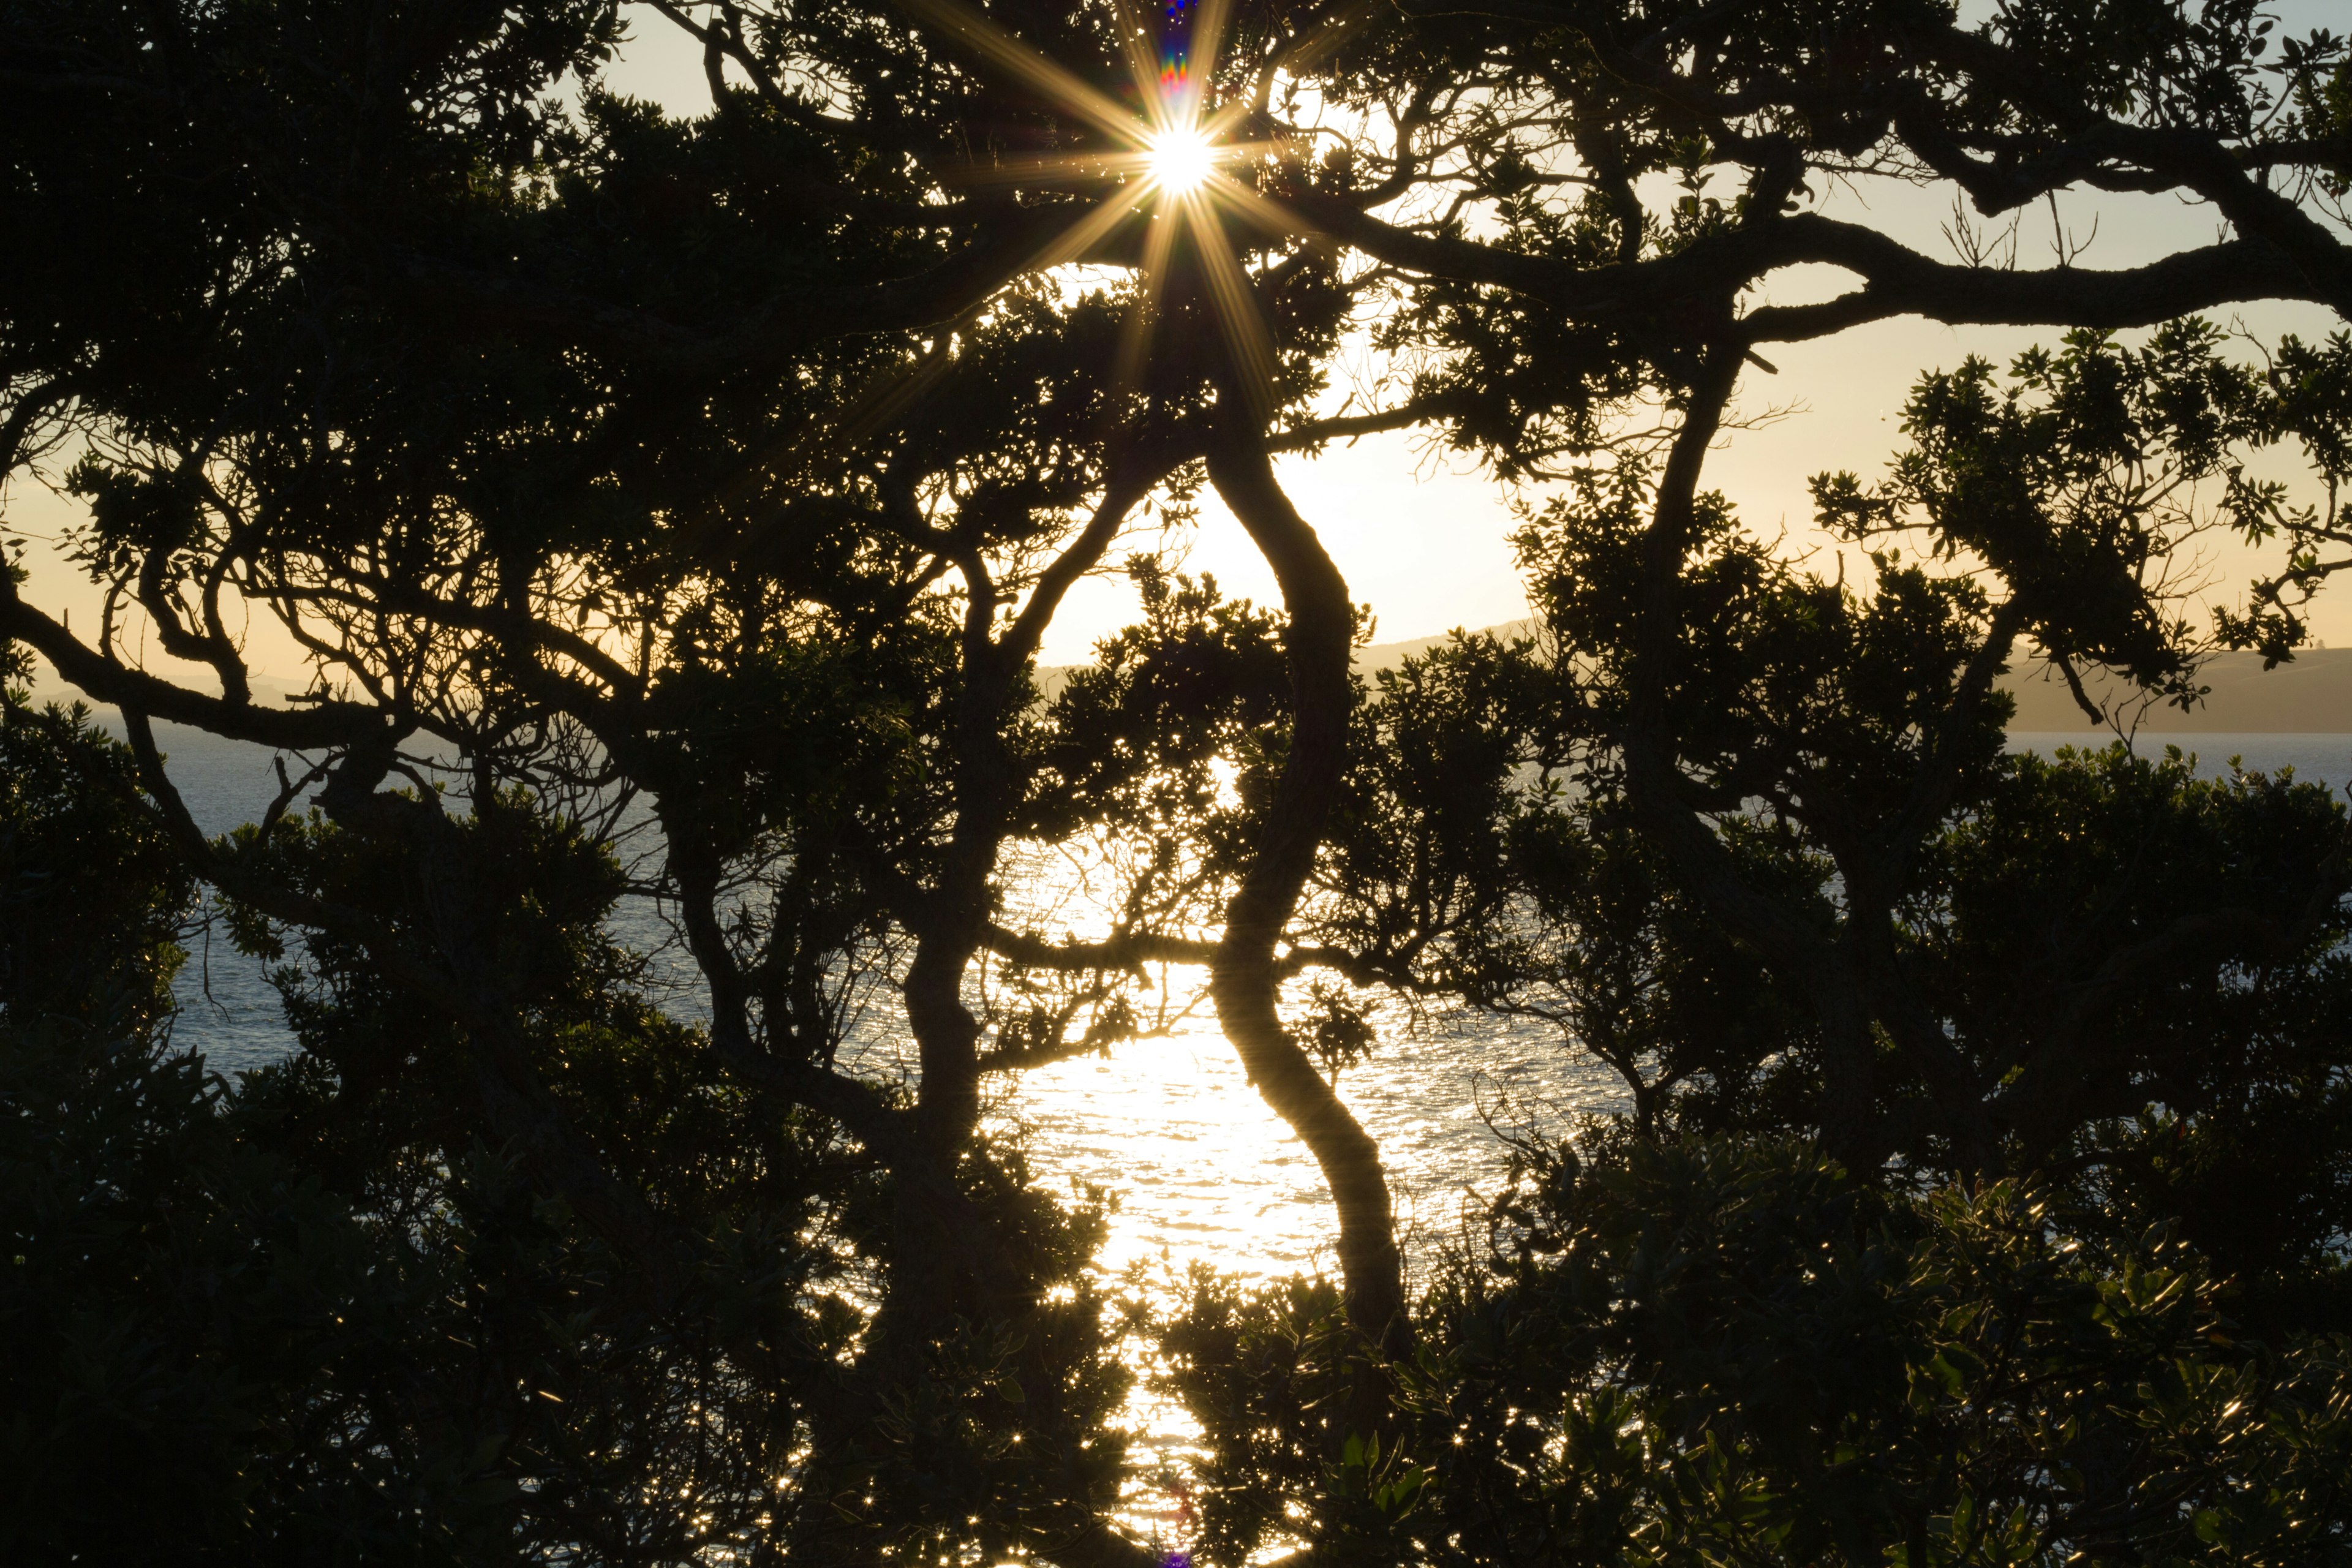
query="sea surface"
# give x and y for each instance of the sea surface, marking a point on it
(1168, 1129)
(1201, 1172)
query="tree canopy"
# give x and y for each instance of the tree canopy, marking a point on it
(727, 473)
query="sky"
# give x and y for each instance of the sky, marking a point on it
(1424, 540)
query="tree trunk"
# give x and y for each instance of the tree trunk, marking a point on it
(1850, 1122)
(1242, 979)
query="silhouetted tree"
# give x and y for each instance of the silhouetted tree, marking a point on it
(458, 384)
(734, 469)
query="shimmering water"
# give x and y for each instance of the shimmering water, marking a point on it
(1198, 1169)
(1170, 1129)
(1201, 1170)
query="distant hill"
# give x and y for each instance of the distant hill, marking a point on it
(1390, 655)
(2312, 695)
(270, 690)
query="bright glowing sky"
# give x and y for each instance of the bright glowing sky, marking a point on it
(1425, 541)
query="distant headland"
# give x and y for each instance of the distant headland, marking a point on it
(2311, 695)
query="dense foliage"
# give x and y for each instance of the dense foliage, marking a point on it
(2087, 1306)
(1731, 1352)
(316, 1317)
(710, 483)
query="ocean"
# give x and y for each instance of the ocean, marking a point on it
(1170, 1126)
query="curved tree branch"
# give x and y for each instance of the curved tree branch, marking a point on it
(310, 728)
(1245, 978)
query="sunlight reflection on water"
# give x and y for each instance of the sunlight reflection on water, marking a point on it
(1200, 1170)
(1205, 1173)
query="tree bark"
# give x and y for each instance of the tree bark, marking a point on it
(1244, 978)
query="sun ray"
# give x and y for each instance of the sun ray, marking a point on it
(1256, 204)
(1325, 39)
(1054, 166)
(882, 399)
(1135, 38)
(1056, 81)
(1201, 49)
(1247, 342)
(1135, 332)
(1082, 236)
(1172, 159)
(1327, 35)
(1220, 123)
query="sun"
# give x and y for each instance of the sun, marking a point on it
(1177, 155)
(1181, 159)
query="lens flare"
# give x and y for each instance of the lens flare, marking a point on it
(1172, 148)
(1181, 159)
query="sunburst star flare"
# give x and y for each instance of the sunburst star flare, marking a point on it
(1180, 146)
